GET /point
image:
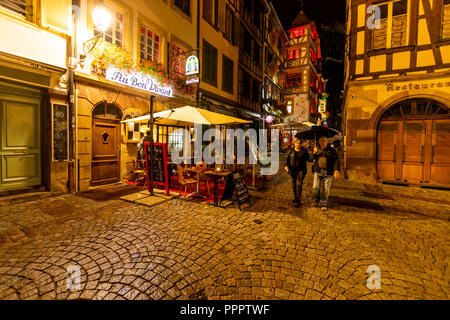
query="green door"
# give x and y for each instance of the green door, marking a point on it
(20, 151)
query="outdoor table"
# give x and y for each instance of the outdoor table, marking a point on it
(216, 175)
(197, 170)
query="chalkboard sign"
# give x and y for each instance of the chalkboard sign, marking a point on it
(159, 164)
(241, 189)
(60, 132)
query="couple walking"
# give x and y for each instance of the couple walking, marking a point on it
(325, 168)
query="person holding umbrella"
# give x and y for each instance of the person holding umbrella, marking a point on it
(296, 160)
(326, 167)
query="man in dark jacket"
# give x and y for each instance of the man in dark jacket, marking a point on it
(326, 167)
(296, 166)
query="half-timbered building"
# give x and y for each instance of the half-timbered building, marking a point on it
(397, 92)
(303, 82)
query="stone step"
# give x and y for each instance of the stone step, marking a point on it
(25, 197)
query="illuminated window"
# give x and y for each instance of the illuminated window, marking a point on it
(289, 107)
(150, 45)
(114, 34)
(395, 13)
(399, 22)
(446, 20)
(379, 35)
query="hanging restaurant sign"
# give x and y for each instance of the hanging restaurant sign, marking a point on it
(192, 65)
(192, 80)
(139, 81)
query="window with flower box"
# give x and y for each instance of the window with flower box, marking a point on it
(150, 44)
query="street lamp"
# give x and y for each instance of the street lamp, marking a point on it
(102, 19)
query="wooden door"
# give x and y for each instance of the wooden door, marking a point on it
(20, 151)
(387, 141)
(440, 152)
(105, 151)
(413, 151)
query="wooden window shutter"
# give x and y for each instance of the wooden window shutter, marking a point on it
(236, 30)
(56, 13)
(222, 15)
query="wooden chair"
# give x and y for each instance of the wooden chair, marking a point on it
(184, 181)
(137, 173)
(204, 177)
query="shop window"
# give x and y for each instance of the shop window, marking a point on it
(114, 34)
(209, 63)
(150, 45)
(227, 74)
(446, 20)
(133, 134)
(184, 6)
(175, 138)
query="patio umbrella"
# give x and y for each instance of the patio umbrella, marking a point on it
(188, 115)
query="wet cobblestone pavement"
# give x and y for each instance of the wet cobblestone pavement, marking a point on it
(190, 250)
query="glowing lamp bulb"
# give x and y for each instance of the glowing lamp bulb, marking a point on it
(101, 17)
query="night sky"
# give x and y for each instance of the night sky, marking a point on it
(321, 11)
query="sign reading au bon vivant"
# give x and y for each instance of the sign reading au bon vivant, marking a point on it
(139, 81)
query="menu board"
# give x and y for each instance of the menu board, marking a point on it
(60, 132)
(241, 189)
(159, 164)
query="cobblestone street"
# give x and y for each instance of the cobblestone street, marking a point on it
(190, 250)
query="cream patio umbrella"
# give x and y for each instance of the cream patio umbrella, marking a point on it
(187, 116)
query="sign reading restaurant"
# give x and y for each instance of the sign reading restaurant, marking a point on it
(139, 81)
(416, 86)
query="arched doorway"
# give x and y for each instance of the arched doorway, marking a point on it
(105, 166)
(413, 142)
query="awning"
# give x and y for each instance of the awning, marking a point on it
(187, 116)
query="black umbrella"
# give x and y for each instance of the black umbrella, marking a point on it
(314, 132)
